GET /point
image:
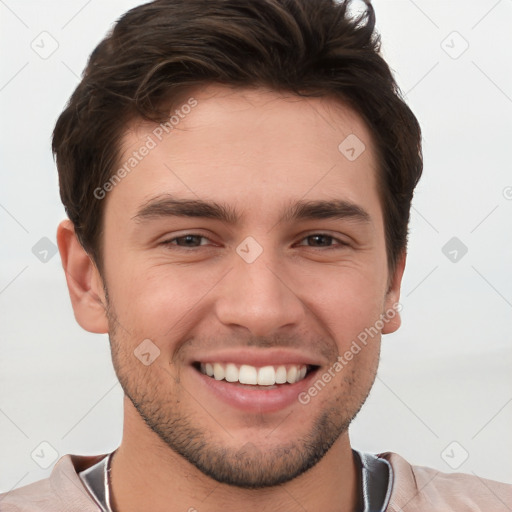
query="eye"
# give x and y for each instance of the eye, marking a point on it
(188, 240)
(193, 240)
(323, 239)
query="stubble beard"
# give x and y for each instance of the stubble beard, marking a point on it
(247, 466)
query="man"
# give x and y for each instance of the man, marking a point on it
(238, 177)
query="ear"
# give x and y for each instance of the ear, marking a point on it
(392, 305)
(84, 281)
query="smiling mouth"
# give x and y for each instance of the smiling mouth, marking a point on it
(265, 376)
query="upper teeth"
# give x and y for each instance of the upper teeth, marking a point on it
(246, 374)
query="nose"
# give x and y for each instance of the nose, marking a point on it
(259, 296)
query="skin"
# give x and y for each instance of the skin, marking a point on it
(256, 151)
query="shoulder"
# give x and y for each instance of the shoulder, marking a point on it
(62, 491)
(418, 489)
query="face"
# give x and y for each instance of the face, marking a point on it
(246, 244)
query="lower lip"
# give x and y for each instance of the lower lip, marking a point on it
(256, 399)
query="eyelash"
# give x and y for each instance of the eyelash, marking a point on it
(169, 242)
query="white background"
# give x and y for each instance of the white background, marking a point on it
(444, 377)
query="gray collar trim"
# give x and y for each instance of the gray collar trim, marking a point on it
(95, 480)
(376, 482)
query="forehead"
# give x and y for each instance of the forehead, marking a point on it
(250, 147)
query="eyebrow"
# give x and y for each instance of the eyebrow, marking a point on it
(169, 206)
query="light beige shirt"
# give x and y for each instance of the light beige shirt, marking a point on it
(415, 489)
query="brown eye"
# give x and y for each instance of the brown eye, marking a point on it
(189, 240)
(323, 240)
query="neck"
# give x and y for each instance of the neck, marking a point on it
(147, 475)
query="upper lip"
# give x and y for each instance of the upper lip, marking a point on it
(259, 357)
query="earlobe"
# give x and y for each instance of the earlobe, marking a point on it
(392, 305)
(83, 280)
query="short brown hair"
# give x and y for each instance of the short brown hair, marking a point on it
(307, 47)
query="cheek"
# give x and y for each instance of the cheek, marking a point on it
(158, 302)
(348, 304)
